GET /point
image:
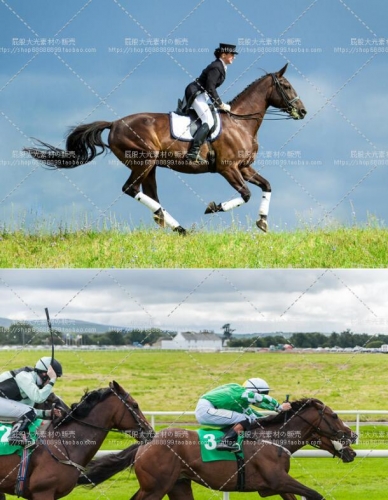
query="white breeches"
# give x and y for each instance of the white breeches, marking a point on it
(201, 107)
(206, 414)
(13, 409)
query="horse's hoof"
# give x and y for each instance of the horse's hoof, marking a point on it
(211, 208)
(181, 230)
(262, 224)
(159, 218)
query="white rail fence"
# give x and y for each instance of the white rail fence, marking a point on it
(179, 420)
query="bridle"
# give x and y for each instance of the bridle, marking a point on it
(289, 108)
(336, 434)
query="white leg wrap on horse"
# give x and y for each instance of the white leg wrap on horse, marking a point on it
(148, 202)
(169, 220)
(264, 205)
(154, 206)
(229, 205)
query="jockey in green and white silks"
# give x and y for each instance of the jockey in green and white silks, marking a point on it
(230, 404)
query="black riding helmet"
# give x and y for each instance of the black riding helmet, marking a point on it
(43, 365)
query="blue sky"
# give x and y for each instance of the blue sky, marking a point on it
(109, 62)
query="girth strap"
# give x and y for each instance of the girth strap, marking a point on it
(240, 472)
(22, 473)
(73, 464)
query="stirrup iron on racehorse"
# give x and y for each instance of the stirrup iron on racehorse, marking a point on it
(19, 435)
(229, 442)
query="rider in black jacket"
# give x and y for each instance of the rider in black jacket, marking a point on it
(203, 90)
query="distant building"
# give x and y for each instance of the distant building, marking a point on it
(194, 341)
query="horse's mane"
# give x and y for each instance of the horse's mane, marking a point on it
(87, 403)
(295, 407)
(247, 88)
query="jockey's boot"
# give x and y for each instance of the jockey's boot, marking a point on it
(198, 139)
(19, 435)
(229, 441)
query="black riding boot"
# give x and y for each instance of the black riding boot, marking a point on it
(19, 435)
(229, 442)
(198, 139)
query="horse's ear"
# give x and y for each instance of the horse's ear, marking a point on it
(282, 71)
(116, 388)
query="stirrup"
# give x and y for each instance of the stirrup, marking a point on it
(231, 446)
(21, 439)
(195, 158)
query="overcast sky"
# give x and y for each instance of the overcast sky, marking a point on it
(109, 62)
(251, 300)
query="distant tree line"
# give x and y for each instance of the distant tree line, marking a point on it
(23, 333)
(314, 340)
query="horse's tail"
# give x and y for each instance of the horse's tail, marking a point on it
(103, 468)
(81, 146)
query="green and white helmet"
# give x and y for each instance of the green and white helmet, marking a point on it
(257, 384)
(43, 365)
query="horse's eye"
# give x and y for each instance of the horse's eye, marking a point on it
(335, 415)
(135, 405)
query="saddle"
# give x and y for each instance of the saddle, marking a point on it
(5, 430)
(184, 122)
(208, 437)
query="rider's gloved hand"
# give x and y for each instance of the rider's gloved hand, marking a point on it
(51, 374)
(285, 407)
(225, 107)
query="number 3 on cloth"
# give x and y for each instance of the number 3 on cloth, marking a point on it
(211, 442)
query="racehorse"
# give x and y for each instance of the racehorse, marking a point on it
(168, 464)
(66, 447)
(143, 141)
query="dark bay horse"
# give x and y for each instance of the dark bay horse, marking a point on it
(143, 141)
(168, 464)
(67, 447)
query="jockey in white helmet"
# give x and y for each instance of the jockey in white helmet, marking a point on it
(20, 390)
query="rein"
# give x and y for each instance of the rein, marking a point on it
(252, 116)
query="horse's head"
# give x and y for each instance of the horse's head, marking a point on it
(131, 418)
(336, 448)
(323, 421)
(284, 96)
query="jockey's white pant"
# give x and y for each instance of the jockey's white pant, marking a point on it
(206, 414)
(13, 410)
(201, 107)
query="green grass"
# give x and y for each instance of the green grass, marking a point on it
(364, 478)
(234, 248)
(164, 381)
